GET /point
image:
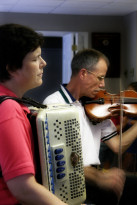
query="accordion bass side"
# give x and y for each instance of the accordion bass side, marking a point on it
(60, 152)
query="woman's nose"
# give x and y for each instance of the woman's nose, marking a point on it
(43, 62)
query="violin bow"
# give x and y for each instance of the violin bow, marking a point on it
(121, 126)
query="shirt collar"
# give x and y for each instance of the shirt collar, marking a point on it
(72, 98)
(6, 91)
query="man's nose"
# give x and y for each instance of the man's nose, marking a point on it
(102, 84)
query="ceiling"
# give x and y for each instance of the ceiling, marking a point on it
(77, 7)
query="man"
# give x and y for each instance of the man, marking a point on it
(89, 69)
(21, 69)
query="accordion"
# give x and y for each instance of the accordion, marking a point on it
(60, 152)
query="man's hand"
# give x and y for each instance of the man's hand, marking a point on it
(112, 179)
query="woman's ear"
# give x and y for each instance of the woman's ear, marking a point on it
(11, 73)
(7, 68)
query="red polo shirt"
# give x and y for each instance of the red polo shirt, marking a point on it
(16, 157)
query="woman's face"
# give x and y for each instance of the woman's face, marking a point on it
(30, 75)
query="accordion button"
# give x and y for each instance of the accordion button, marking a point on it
(50, 168)
(53, 190)
(50, 161)
(60, 169)
(52, 181)
(60, 176)
(59, 157)
(58, 151)
(60, 163)
(49, 156)
(51, 174)
(47, 140)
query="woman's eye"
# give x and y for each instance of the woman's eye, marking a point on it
(37, 58)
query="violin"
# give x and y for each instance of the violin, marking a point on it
(106, 105)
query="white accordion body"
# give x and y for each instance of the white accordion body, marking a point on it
(60, 151)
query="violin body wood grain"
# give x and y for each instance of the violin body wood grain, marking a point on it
(113, 105)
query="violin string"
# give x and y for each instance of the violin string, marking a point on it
(118, 98)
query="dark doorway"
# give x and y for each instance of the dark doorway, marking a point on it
(52, 77)
(109, 44)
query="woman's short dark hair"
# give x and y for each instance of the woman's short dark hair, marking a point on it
(15, 42)
(87, 58)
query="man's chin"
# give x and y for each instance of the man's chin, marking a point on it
(94, 94)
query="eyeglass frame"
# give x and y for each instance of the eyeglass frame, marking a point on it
(100, 78)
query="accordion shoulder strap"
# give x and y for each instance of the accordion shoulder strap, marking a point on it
(24, 100)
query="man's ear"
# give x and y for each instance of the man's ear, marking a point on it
(83, 73)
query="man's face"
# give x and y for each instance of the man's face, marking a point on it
(94, 80)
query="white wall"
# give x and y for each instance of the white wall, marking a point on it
(130, 59)
(67, 23)
(67, 56)
(69, 48)
(126, 26)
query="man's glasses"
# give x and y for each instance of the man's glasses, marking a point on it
(100, 78)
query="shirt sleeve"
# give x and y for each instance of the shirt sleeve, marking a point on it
(16, 157)
(108, 130)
